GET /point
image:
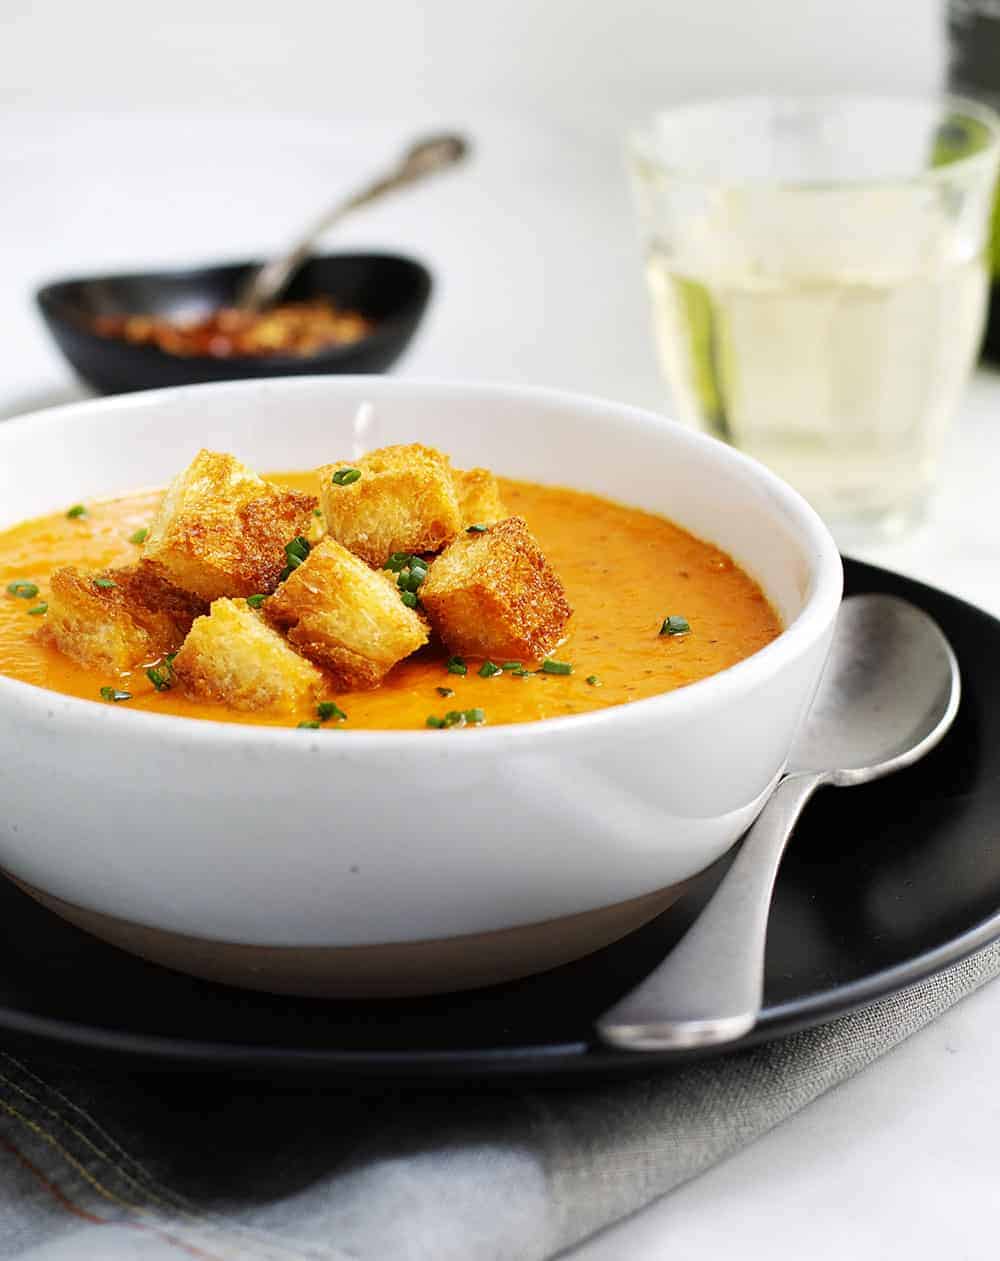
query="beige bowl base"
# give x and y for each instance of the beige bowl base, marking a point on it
(393, 969)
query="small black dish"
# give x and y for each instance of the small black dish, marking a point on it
(389, 289)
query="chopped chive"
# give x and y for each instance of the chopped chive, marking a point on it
(255, 601)
(454, 718)
(114, 694)
(521, 673)
(317, 512)
(488, 669)
(295, 553)
(556, 667)
(476, 529)
(345, 476)
(23, 589)
(457, 666)
(158, 678)
(396, 561)
(675, 625)
(104, 583)
(39, 609)
(511, 665)
(593, 680)
(78, 510)
(433, 721)
(168, 660)
(409, 599)
(475, 717)
(312, 724)
(445, 691)
(329, 709)
(139, 536)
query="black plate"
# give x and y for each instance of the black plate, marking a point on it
(388, 288)
(883, 885)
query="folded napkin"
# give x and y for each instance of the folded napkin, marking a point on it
(111, 1164)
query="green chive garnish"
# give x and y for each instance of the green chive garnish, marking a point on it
(593, 680)
(458, 718)
(521, 673)
(78, 510)
(445, 691)
(104, 583)
(556, 667)
(475, 717)
(675, 626)
(345, 476)
(24, 590)
(139, 536)
(457, 666)
(255, 601)
(328, 709)
(409, 599)
(488, 669)
(476, 529)
(317, 512)
(396, 561)
(433, 721)
(295, 553)
(511, 665)
(113, 694)
(158, 679)
(39, 609)
(312, 724)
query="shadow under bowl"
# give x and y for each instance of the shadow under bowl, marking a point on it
(390, 289)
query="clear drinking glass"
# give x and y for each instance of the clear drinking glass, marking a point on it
(818, 279)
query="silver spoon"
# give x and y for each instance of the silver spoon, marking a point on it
(425, 157)
(889, 693)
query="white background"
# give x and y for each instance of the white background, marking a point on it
(135, 133)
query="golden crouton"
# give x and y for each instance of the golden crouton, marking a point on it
(233, 657)
(403, 501)
(493, 594)
(221, 530)
(118, 619)
(478, 494)
(346, 617)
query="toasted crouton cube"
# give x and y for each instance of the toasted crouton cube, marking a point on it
(494, 595)
(404, 501)
(346, 617)
(118, 619)
(479, 499)
(221, 530)
(234, 658)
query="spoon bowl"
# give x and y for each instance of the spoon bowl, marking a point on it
(390, 289)
(890, 691)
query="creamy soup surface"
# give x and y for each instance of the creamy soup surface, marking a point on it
(624, 571)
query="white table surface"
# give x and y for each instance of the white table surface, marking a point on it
(539, 282)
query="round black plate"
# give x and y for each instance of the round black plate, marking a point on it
(882, 886)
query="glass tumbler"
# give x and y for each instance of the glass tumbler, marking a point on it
(818, 281)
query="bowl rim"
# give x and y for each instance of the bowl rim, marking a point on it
(816, 616)
(53, 304)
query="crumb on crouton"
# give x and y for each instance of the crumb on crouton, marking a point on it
(234, 658)
(221, 529)
(118, 619)
(404, 501)
(346, 617)
(494, 595)
(478, 494)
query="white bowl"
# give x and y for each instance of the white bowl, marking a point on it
(402, 861)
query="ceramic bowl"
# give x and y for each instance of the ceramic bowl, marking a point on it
(402, 862)
(391, 289)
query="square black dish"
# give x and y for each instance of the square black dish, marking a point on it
(881, 886)
(389, 289)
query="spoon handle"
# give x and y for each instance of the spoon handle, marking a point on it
(424, 158)
(710, 987)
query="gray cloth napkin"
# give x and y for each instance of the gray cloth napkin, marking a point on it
(116, 1166)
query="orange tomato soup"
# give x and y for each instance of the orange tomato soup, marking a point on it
(624, 572)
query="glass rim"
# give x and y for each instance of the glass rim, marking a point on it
(638, 145)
